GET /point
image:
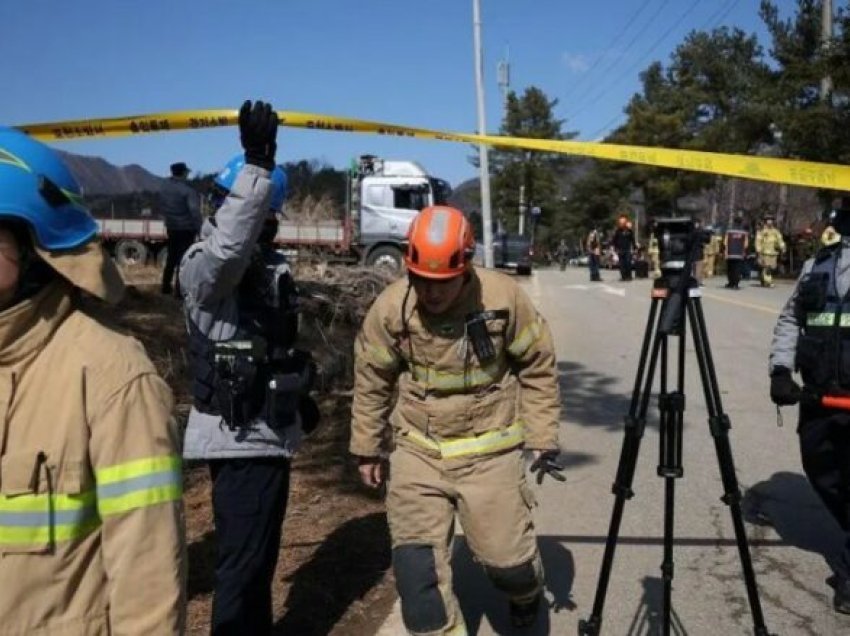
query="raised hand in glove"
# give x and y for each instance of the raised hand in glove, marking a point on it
(783, 390)
(258, 133)
(546, 463)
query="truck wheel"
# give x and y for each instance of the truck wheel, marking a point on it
(523, 270)
(130, 252)
(161, 257)
(386, 257)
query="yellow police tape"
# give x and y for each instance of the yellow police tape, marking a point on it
(802, 173)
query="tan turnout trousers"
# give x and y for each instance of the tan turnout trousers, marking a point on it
(490, 497)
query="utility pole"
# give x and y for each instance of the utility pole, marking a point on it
(483, 161)
(826, 42)
(521, 210)
(503, 74)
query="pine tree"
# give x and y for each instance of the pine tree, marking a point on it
(530, 115)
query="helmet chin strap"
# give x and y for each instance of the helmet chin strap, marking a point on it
(35, 274)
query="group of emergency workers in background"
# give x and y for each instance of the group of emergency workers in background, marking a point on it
(455, 379)
(738, 250)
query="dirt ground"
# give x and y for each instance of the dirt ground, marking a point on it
(333, 574)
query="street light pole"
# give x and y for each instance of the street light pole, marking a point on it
(483, 162)
(826, 42)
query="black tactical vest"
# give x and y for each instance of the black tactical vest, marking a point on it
(823, 346)
(255, 373)
(735, 240)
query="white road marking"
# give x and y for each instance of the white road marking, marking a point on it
(617, 291)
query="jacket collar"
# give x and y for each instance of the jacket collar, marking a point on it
(27, 326)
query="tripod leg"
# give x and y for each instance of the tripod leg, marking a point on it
(719, 425)
(672, 407)
(635, 424)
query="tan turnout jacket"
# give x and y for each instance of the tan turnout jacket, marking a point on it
(769, 242)
(91, 530)
(444, 392)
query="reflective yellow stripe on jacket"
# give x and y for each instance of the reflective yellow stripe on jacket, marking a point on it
(50, 518)
(826, 319)
(139, 483)
(525, 339)
(447, 381)
(42, 519)
(490, 442)
(382, 357)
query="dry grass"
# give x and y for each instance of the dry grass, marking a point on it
(312, 209)
(332, 571)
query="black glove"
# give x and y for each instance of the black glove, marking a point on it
(547, 464)
(783, 390)
(258, 133)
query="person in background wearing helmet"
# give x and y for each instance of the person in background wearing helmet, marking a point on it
(624, 243)
(829, 236)
(182, 212)
(473, 366)
(769, 246)
(812, 336)
(249, 385)
(91, 522)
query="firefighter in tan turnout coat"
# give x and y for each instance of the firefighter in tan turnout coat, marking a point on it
(474, 366)
(91, 525)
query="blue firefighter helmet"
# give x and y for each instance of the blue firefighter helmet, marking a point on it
(227, 177)
(37, 187)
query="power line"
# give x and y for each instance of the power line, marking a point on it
(719, 15)
(640, 60)
(607, 47)
(634, 39)
(709, 24)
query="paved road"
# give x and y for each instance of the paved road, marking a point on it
(598, 330)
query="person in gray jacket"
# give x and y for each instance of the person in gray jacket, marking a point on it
(812, 336)
(182, 213)
(249, 385)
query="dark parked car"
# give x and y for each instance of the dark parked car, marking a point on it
(510, 251)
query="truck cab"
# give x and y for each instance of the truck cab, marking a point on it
(385, 196)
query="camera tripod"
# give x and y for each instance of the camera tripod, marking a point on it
(679, 296)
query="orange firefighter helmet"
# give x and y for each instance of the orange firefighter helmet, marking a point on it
(440, 243)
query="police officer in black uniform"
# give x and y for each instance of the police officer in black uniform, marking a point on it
(812, 335)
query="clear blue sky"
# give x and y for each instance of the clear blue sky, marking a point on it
(398, 61)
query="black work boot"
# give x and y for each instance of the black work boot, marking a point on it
(841, 600)
(525, 614)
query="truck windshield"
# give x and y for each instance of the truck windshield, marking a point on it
(441, 189)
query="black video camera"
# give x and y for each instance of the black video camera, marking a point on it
(677, 239)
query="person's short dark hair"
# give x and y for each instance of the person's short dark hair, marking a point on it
(179, 169)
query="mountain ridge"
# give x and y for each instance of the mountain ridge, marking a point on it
(98, 177)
